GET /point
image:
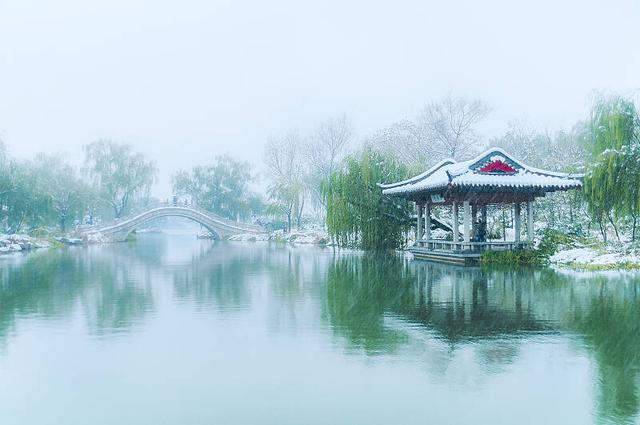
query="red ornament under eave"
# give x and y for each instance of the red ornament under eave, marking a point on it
(497, 167)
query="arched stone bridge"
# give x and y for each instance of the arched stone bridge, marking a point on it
(219, 227)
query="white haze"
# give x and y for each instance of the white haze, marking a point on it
(186, 80)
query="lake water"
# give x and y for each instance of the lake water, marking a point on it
(174, 330)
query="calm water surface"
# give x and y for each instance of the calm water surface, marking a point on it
(174, 330)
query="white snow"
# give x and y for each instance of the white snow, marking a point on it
(18, 243)
(310, 237)
(575, 255)
(590, 256)
(248, 237)
(439, 234)
(96, 238)
(462, 174)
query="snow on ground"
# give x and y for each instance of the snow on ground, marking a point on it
(314, 237)
(592, 257)
(248, 237)
(17, 243)
(96, 238)
(575, 255)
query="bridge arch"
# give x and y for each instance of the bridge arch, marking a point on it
(124, 234)
(220, 227)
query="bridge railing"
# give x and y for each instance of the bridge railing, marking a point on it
(155, 205)
(98, 224)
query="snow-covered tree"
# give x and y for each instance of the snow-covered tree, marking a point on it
(324, 152)
(285, 163)
(611, 184)
(450, 125)
(119, 174)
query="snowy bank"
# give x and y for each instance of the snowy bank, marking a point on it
(309, 237)
(95, 238)
(591, 258)
(19, 243)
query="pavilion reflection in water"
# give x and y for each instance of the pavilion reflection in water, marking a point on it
(375, 305)
(475, 307)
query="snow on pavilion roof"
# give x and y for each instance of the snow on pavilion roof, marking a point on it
(493, 169)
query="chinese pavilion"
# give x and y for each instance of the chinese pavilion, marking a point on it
(492, 178)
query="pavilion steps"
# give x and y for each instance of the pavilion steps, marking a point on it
(447, 257)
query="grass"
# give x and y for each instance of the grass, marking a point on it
(551, 240)
(624, 265)
(519, 257)
(53, 243)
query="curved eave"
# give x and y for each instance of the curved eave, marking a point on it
(519, 187)
(520, 163)
(419, 177)
(461, 175)
(485, 187)
(410, 192)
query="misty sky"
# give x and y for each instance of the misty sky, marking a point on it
(186, 80)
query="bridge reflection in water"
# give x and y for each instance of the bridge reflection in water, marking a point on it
(373, 306)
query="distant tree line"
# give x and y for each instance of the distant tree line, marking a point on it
(325, 177)
(298, 166)
(47, 192)
(339, 179)
(221, 187)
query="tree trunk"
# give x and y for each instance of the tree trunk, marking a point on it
(19, 223)
(571, 210)
(603, 229)
(299, 218)
(615, 228)
(289, 211)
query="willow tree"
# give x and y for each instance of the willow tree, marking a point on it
(221, 187)
(119, 174)
(357, 213)
(611, 183)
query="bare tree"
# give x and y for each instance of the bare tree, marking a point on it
(325, 150)
(522, 141)
(450, 125)
(533, 147)
(404, 141)
(284, 160)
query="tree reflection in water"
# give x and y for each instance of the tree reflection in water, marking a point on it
(374, 305)
(467, 307)
(113, 289)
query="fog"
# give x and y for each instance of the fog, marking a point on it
(184, 81)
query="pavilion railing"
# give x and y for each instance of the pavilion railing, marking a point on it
(460, 246)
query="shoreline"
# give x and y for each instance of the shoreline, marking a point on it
(592, 259)
(585, 259)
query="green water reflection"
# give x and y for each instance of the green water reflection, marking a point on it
(466, 305)
(448, 332)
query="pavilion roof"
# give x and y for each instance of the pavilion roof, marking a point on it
(492, 171)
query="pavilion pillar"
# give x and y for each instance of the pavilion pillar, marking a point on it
(467, 220)
(454, 225)
(474, 220)
(427, 218)
(419, 224)
(530, 221)
(516, 221)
